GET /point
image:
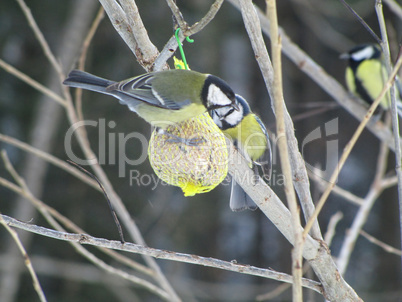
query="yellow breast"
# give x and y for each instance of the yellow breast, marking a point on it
(250, 137)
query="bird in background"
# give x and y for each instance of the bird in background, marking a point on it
(250, 137)
(366, 75)
(165, 97)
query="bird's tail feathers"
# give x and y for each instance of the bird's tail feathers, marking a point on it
(239, 200)
(85, 80)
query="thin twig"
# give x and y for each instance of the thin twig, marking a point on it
(209, 16)
(364, 211)
(251, 16)
(157, 253)
(394, 110)
(389, 182)
(274, 293)
(333, 222)
(297, 258)
(31, 82)
(81, 61)
(116, 220)
(27, 260)
(350, 145)
(42, 41)
(171, 45)
(360, 19)
(348, 196)
(381, 244)
(394, 7)
(178, 16)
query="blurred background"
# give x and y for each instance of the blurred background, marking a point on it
(204, 224)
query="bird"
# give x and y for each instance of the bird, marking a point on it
(162, 98)
(250, 137)
(366, 75)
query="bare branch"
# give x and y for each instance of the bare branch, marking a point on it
(171, 45)
(279, 104)
(381, 244)
(360, 19)
(157, 253)
(322, 184)
(178, 16)
(364, 211)
(274, 293)
(300, 177)
(209, 16)
(394, 7)
(128, 23)
(263, 196)
(329, 235)
(315, 251)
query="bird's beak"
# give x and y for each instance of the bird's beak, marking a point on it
(344, 56)
(236, 106)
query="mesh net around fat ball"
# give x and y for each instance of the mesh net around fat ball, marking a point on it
(196, 168)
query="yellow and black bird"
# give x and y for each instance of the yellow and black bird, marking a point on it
(366, 74)
(251, 138)
(164, 97)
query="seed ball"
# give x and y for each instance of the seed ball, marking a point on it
(192, 155)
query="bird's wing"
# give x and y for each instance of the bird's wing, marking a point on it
(265, 161)
(135, 91)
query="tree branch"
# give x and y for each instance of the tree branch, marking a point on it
(171, 45)
(300, 176)
(127, 21)
(315, 251)
(279, 104)
(157, 253)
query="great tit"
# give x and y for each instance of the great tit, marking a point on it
(164, 97)
(250, 136)
(366, 74)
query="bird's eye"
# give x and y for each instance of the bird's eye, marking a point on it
(231, 110)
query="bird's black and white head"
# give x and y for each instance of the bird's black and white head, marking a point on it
(217, 94)
(227, 117)
(361, 53)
